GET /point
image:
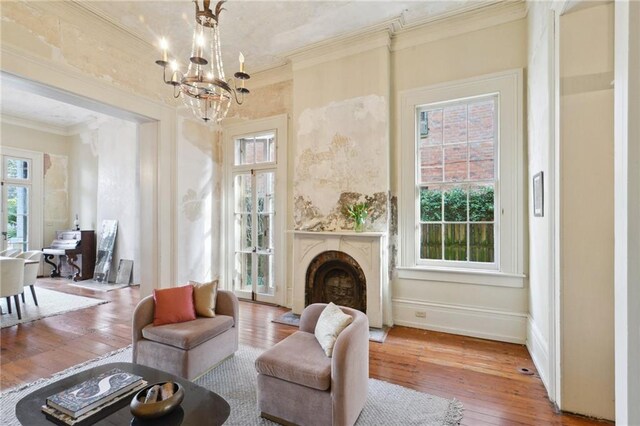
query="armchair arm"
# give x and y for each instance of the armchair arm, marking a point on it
(310, 316)
(350, 369)
(142, 316)
(227, 304)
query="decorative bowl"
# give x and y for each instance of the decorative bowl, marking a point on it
(152, 410)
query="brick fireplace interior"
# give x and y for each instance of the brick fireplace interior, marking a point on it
(334, 276)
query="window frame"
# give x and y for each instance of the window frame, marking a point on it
(509, 188)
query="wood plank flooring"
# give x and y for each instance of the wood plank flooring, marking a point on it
(480, 373)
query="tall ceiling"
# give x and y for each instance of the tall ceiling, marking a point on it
(266, 32)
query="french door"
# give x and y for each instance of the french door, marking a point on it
(256, 209)
(253, 227)
(16, 202)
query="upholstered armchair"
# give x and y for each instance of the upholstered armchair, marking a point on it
(11, 281)
(299, 384)
(31, 271)
(186, 349)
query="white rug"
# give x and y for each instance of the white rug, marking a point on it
(50, 303)
(97, 286)
(235, 381)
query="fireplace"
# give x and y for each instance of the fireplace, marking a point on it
(343, 267)
(334, 276)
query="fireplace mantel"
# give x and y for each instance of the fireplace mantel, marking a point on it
(369, 249)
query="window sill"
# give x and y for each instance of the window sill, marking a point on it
(462, 276)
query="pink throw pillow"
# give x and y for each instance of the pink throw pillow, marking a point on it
(173, 305)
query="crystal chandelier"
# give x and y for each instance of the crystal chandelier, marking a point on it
(203, 87)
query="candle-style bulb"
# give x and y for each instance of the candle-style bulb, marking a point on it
(164, 45)
(241, 59)
(174, 65)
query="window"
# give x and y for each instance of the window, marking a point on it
(457, 179)
(461, 206)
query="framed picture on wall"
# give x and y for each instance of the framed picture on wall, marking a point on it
(538, 195)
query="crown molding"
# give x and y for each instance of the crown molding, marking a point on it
(340, 47)
(72, 130)
(270, 76)
(34, 125)
(397, 34)
(473, 20)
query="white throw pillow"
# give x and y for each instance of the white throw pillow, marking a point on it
(330, 324)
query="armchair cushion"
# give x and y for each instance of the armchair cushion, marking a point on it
(297, 359)
(188, 335)
(204, 298)
(173, 305)
(330, 324)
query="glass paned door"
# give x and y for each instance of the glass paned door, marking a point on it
(16, 202)
(254, 210)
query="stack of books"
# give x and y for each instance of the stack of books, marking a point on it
(79, 402)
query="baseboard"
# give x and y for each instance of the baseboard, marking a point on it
(539, 350)
(464, 320)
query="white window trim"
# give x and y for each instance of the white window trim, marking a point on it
(279, 124)
(508, 270)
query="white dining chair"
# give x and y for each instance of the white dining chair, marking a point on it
(11, 282)
(31, 271)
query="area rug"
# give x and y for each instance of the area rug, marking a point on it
(235, 381)
(98, 286)
(289, 318)
(50, 303)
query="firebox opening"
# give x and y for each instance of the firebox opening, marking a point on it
(334, 276)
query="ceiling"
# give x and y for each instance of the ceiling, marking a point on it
(26, 105)
(266, 32)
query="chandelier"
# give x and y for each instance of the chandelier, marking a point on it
(203, 87)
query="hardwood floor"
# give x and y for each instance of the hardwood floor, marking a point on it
(480, 373)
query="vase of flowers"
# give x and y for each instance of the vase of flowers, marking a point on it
(358, 212)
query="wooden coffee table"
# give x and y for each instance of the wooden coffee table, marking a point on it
(199, 407)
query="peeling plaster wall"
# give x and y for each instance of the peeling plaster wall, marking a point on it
(339, 148)
(83, 182)
(65, 34)
(56, 194)
(340, 151)
(198, 186)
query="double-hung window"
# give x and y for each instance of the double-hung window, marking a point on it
(461, 176)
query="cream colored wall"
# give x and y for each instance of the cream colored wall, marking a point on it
(83, 183)
(33, 140)
(540, 114)
(485, 311)
(198, 186)
(586, 67)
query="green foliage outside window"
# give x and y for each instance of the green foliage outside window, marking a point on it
(480, 204)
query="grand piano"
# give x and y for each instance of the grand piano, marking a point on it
(68, 245)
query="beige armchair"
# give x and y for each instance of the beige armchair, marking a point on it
(11, 279)
(299, 384)
(187, 349)
(10, 252)
(31, 271)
